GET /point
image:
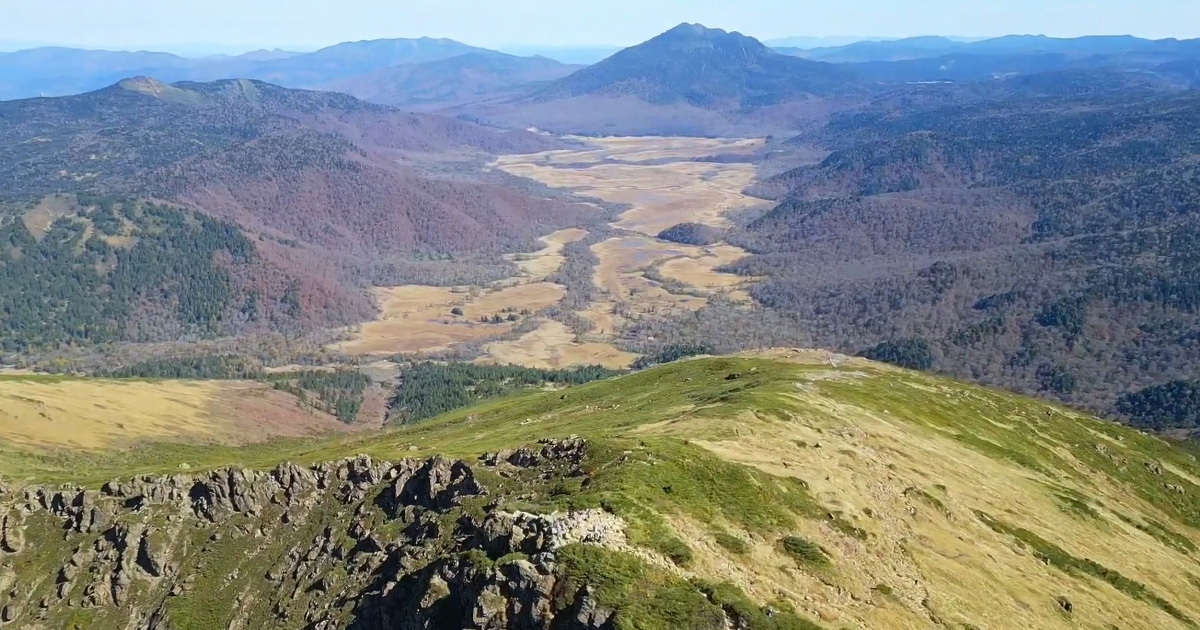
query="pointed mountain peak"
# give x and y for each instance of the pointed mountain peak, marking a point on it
(691, 36)
(694, 30)
(703, 66)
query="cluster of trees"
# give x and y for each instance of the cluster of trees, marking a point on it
(692, 234)
(204, 367)
(672, 352)
(508, 315)
(1174, 405)
(119, 269)
(427, 390)
(339, 392)
(576, 275)
(914, 353)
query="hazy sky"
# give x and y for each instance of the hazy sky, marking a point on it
(314, 23)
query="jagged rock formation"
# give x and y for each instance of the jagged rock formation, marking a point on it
(357, 543)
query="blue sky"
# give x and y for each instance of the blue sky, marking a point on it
(315, 23)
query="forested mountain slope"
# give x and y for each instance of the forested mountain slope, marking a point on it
(324, 184)
(1046, 244)
(94, 269)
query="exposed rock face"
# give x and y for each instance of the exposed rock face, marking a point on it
(349, 544)
(504, 533)
(438, 484)
(12, 539)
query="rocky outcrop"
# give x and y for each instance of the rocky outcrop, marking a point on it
(355, 543)
(438, 484)
(552, 455)
(504, 533)
(12, 540)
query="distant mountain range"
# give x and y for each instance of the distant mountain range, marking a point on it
(694, 80)
(574, 55)
(64, 71)
(808, 42)
(691, 67)
(927, 47)
(453, 81)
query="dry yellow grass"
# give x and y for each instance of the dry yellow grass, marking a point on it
(959, 570)
(414, 319)
(648, 298)
(602, 314)
(396, 302)
(942, 567)
(699, 269)
(538, 266)
(657, 178)
(418, 319)
(661, 194)
(552, 346)
(619, 256)
(96, 414)
(639, 149)
(49, 209)
(533, 297)
(89, 414)
(416, 336)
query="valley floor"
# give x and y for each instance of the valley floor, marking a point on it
(661, 183)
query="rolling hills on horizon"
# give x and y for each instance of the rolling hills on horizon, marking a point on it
(453, 81)
(387, 70)
(693, 80)
(66, 71)
(936, 46)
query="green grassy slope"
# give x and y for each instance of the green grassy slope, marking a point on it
(857, 495)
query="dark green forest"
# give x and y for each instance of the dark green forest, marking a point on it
(120, 270)
(427, 390)
(198, 367)
(338, 392)
(672, 352)
(914, 354)
(1174, 405)
(692, 234)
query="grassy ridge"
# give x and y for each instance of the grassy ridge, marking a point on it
(603, 409)
(790, 478)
